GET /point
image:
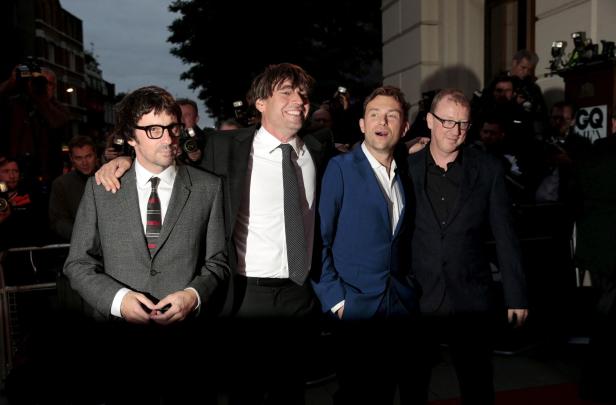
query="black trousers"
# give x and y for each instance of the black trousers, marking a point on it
(378, 355)
(469, 338)
(599, 370)
(271, 336)
(87, 362)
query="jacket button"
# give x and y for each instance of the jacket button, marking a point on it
(153, 272)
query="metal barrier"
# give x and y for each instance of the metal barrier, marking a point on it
(24, 270)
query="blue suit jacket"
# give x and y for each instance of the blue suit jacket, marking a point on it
(361, 258)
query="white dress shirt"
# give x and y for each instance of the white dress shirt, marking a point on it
(259, 232)
(390, 187)
(144, 188)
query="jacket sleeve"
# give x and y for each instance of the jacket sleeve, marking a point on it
(507, 243)
(328, 286)
(84, 265)
(215, 269)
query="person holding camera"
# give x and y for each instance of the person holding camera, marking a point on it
(37, 120)
(193, 139)
(22, 217)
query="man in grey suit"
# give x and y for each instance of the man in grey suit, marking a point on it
(154, 251)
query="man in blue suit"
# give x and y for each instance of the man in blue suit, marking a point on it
(362, 217)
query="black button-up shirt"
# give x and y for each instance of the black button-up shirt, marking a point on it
(443, 186)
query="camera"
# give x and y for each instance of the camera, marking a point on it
(119, 145)
(243, 114)
(341, 98)
(30, 72)
(189, 141)
(4, 197)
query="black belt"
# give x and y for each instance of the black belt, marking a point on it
(267, 282)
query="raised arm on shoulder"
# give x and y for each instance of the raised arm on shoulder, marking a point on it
(109, 174)
(416, 144)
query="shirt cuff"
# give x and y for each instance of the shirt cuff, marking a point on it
(336, 307)
(116, 305)
(198, 298)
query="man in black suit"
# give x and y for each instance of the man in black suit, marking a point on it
(458, 192)
(267, 302)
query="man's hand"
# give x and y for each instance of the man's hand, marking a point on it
(4, 215)
(342, 147)
(519, 315)
(182, 304)
(110, 153)
(135, 308)
(417, 144)
(110, 172)
(195, 155)
(340, 312)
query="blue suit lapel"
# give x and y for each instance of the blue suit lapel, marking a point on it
(375, 193)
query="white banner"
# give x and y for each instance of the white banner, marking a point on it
(591, 122)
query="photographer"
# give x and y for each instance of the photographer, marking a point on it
(22, 218)
(193, 139)
(36, 120)
(345, 116)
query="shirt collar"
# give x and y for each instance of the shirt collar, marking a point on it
(375, 164)
(143, 175)
(269, 142)
(457, 161)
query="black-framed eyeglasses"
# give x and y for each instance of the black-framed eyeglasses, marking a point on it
(449, 124)
(157, 131)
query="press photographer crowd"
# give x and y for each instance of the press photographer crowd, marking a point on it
(390, 218)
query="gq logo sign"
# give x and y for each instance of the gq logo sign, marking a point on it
(591, 122)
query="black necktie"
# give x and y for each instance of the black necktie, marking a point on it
(293, 220)
(153, 217)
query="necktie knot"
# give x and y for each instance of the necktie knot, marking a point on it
(154, 181)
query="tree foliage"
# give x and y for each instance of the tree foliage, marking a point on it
(226, 43)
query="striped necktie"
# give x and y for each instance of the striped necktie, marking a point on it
(153, 217)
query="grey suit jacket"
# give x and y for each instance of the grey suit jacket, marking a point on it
(108, 246)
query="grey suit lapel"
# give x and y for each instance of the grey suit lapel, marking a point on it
(179, 196)
(129, 205)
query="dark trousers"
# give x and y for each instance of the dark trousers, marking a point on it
(469, 338)
(378, 355)
(88, 362)
(272, 333)
(599, 370)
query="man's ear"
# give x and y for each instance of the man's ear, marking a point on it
(260, 105)
(429, 120)
(362, 125)
(132, 142)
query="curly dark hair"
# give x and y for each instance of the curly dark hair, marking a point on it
(140, 102)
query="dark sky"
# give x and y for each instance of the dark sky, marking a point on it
(130, 42)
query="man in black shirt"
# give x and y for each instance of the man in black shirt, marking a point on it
(459, 192)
